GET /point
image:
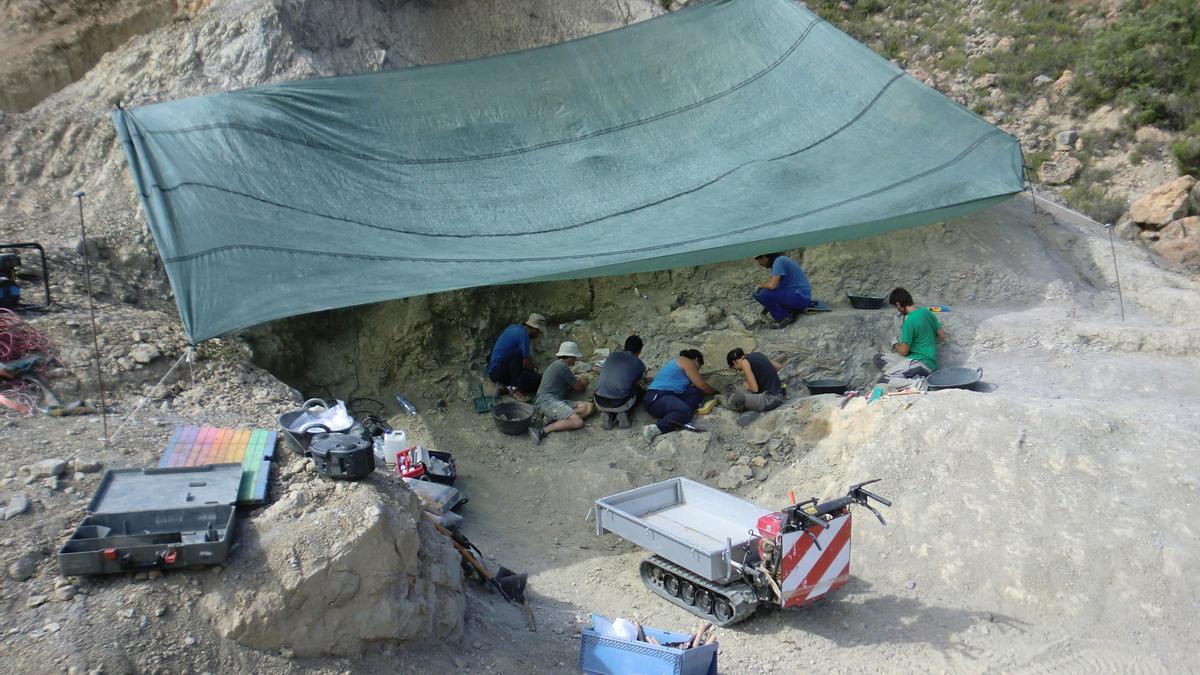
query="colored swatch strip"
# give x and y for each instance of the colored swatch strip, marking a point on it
(252, 448)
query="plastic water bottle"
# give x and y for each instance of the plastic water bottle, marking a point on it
(406, 405)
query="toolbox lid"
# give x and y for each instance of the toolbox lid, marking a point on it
(132, 490)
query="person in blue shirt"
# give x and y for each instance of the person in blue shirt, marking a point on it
(510, 365)
(675, 393)
(786, 293)
(621, 384)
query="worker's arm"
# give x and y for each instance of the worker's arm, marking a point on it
(901, 348)
(941, 334)
(748, 373)
(581, 383)
(527, 364)
(778, 365)
(693, 373)
(772, 283)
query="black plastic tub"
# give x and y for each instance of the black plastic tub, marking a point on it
(299, 441)
(838, 387)
(512, 417)
(865, 302)
(954, 378)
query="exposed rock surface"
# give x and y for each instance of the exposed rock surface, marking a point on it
(1061, 169)
(1167, 202)
(333, 567)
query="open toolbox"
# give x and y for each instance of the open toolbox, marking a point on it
(167, 518)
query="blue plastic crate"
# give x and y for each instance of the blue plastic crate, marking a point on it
(601, 653)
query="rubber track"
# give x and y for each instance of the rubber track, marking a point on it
(739, 595)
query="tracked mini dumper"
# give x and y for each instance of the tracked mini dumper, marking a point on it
(721, 557)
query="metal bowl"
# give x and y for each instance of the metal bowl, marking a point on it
(865, 302)
(512, 417)
(838, 387)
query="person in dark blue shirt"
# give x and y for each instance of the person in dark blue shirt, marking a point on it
(786, 293)
(620, 384)
(510, 365)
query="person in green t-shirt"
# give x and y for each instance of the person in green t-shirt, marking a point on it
(914, 354)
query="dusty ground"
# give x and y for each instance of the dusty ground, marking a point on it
(1043, 523)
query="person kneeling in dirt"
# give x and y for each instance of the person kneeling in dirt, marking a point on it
(551, 402)
(675, 393)
(510, 365)
(620, 383)
(764, 390)
(914, 355)
(786, 294)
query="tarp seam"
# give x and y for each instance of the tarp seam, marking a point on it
(592, 221)
(574, 256)
(494, 155)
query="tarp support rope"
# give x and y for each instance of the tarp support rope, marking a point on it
(1111, 244)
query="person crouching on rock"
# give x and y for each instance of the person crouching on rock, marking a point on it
(786, 293)
(510, 365)
(914, 354)
(764, 391)
(621, 381)
(551, 402)
(675, 393)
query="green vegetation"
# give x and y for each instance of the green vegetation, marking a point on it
(1093, 200)
(1146, 58)
(1149, 61)
(1187, 151)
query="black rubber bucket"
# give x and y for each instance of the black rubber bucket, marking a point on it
(512, 417)
(865, 302)
(838, 387)
(955, 377)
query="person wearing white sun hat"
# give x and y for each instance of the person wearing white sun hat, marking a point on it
(552, 403)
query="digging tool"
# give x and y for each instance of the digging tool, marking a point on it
(510, 585)
(483, 403)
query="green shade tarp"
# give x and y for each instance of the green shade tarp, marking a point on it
(717, 132)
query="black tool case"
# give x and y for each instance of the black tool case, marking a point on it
(142, 519)
(342, 456)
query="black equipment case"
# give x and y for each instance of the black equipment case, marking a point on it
(342, 456)
(142, 519)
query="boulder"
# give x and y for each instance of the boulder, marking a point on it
(1065, 140)
(1163, 204)
(1061, 169)
(17, 504)
(1180, 229)
(986, 81)
(1179, 242)
(47, 468)
(734, 477)
(358, 565)
(144, 353)
(24, 566)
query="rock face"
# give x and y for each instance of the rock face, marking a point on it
(334, 567)
(1179, 241)
(1163, 204)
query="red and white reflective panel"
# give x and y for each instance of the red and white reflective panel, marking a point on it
(807, 572)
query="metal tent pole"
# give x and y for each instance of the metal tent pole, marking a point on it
(87, 275)
(1113, 247)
